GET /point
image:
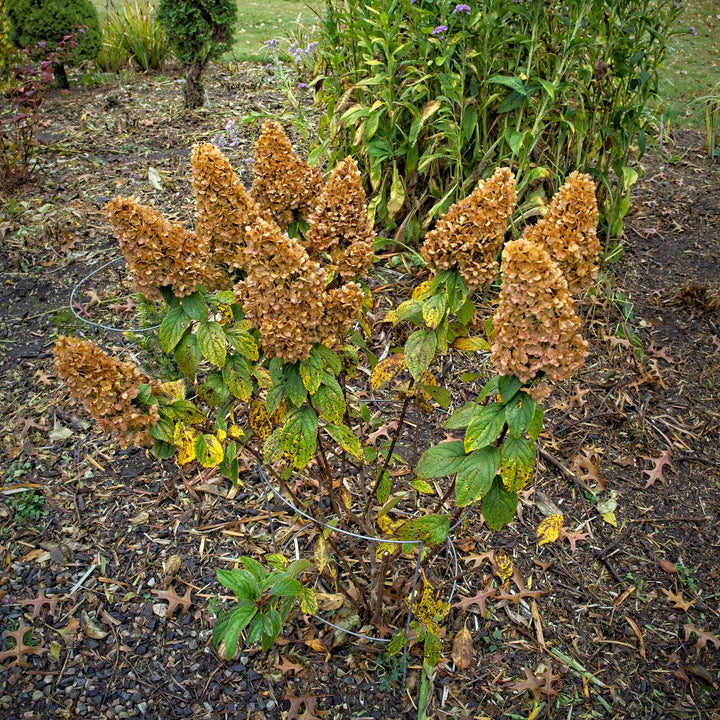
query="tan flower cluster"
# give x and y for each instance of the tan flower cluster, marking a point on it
(339, 224)
(469, 236)
(284, 182)
(158, 253)
(223, 208)
(535, 328)
(106, 387)
(284, 295)
(569, 232)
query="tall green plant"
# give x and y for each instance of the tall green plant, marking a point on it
(428, 96)
(136, 32)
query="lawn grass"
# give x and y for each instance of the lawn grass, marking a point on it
(692, 69)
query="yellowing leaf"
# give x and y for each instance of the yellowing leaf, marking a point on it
(226, 314)
(386, 370)
(221, 434)
(387, 525)
(235, 431)
(549, 529)
(502, 565)
(470, 344)
(174, 390)
(184, 439)
(259, 420)
(321, 553)
(609, 517)
(421, 290)
(208, 450)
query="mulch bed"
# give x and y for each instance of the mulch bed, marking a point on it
(111, 562)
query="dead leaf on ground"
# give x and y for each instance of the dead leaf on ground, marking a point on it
(174, 600)
(480, 599)
(296, 702)
(90, 628)
(21, 649)
(704, 637)
(677, 600)
(462, 649)
(659, 465)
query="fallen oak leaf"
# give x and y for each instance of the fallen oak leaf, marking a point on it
(296, 702)
(677, 600)
(174, 600)
(547, 687)
(659, 465)
(39, 602)
(287, 666)
(531, 683)
(480, 599)
(573, 537)
(704, 637)
(21, 649)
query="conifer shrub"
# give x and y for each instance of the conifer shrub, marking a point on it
(199, 31)
(49, 22)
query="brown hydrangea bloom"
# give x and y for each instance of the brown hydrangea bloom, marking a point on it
(284, 295)
(284, 183)
(569, 232)
(158, 252)
(223, 208)
(535, 328)
(339, 224)
(106, 387)
(469, 236)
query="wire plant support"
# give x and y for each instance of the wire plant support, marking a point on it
(450, 548)
(77, 311)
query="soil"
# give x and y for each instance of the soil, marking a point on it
(109, 556)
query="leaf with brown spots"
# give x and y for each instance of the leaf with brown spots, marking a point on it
(659, 465)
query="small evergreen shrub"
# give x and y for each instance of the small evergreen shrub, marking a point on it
(199, 31)
(49, 22)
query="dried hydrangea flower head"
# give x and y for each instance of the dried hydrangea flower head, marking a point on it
(158, 253)
(223, 208)
(339, 224)
(284, 183)
(284, 295)
(469, 236)
(535, 328)
(569, 232)
(106, 387)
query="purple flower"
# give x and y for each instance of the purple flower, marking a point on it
(676, 5)
(693, 31)
(272, 44)
(439, 31)
(302, 86)
(462, 8)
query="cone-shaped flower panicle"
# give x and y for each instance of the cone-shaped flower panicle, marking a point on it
(223, 208)
(158, 253)
(106, 387)
(284, 183)
(284, 295)
(569, 232)
(469, 236)
(535, 328)
(339, 224)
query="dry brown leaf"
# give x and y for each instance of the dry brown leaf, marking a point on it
(573, 537)
(90, 628)
(287, 666)
(480, 599)
(174, 600)
(677, 600)
(39, 602)
(462, 649)
(21, 649)
(667, 566)
(586, 465)
(704, 637)
(296, 702)
(531, 683)
(659, 465)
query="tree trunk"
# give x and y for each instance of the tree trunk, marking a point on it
(61, 78)
(193, 85)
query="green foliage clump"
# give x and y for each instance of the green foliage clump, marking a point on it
(49, 21)
(134, 33)
(7, 51)
(199, 31)
(429, 95)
